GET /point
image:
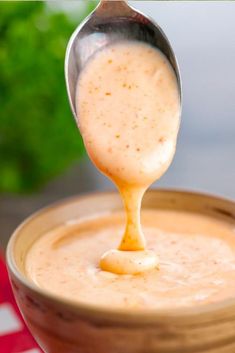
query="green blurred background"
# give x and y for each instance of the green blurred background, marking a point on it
(38, 136)
(41, 150)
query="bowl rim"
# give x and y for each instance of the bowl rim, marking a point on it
(176, 315)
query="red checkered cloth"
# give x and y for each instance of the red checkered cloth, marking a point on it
(14, 335)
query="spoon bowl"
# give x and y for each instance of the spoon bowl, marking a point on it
(110, 22)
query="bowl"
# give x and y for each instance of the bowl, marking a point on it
(63, 326)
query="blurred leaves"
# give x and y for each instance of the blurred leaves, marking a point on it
(38, 135)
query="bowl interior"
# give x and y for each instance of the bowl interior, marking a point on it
(97, 204)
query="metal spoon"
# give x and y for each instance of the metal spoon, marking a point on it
(111, 21)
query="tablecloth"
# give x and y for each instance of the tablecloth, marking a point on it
(14, 335)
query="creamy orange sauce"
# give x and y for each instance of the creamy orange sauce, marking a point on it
(196, 258)
(128, 107)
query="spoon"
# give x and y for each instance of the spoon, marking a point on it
(111, 21)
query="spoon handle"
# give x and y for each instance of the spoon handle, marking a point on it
(111, 8)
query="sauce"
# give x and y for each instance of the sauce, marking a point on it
(129, 109)
(196, 258)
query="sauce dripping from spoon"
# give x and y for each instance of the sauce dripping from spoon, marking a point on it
(129, 112)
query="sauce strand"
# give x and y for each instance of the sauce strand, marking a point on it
(129, 109)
